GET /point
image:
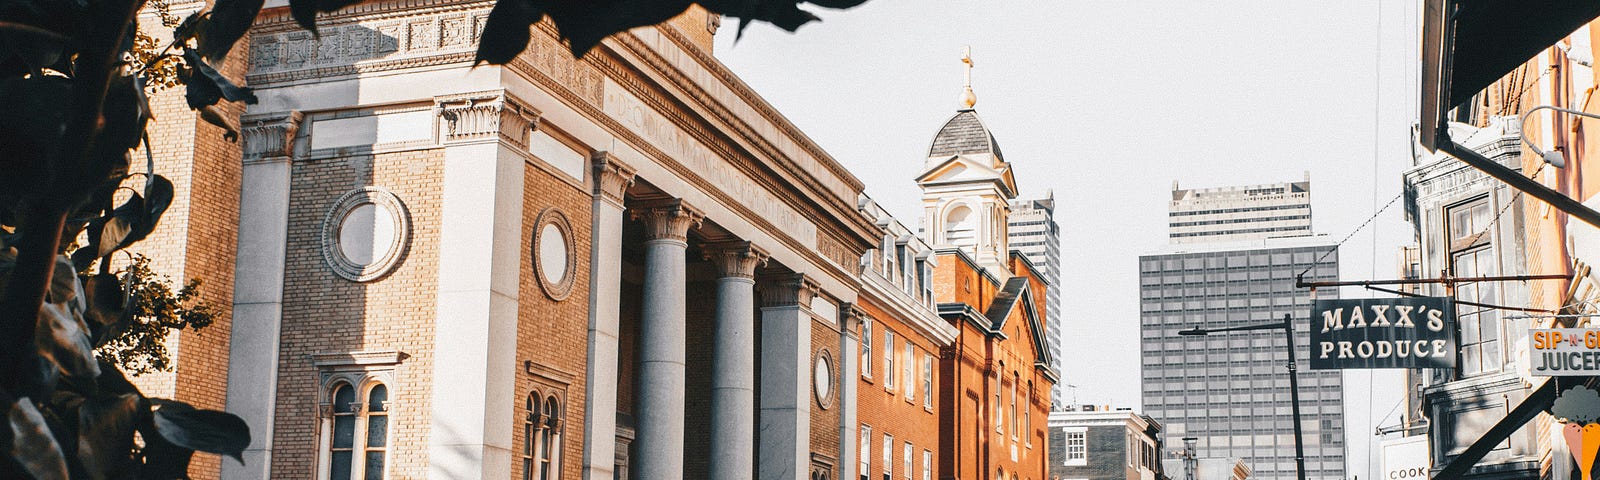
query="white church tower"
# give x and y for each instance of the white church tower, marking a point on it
(967, 187)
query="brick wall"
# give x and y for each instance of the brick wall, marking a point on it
(824, 420)
(324, 313)
(552, 334)
(887, 411)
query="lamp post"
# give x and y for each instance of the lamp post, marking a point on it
(1294, 379)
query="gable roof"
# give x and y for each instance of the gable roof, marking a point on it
(1017, 291)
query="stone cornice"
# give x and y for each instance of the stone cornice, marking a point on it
(787, 290)
(364, 38)
(611, 177)
(895, 302)
(485, 116)
(668, 219)
(735, 259)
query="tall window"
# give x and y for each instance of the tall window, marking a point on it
(1027, 417)
(888, 359)
(888, 456)
(888, 257)
(927, 465)
(910, 371)
(866, 451)
(541, 430)
(908, 271)
(1472, 255)
(927, 381)
(866, 347)
(353, 455)
(960, 228)
(1014, 380)
(907, 456)
(1077, 448)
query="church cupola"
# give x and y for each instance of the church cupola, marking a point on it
(967, 186)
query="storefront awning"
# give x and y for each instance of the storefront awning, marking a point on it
(1469, 44)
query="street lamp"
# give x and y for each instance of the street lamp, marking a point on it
(1294, 380)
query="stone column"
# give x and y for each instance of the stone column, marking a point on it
(785, 441)
(850, 318)
(611, 179)
(659, 398)
(733, 375)
(258, 284)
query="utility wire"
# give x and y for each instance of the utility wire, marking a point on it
(1352, 233)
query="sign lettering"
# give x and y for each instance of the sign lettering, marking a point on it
(1415, 332)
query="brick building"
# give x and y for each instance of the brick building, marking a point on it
(1097, 443)
(996, 376)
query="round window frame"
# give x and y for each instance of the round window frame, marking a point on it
(556, 290)
(825, 402)
(383, 200)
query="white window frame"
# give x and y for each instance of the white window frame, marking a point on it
(888, 360)
(910, 463)
(866, 348)
(927, 381)
(866, 451)
(888, 456)
(927, 464)
(361, 371)
(1076, 455)
(909, 372)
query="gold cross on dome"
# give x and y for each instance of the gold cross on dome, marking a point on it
(968, 99)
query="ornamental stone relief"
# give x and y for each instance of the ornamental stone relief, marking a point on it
(288, 53)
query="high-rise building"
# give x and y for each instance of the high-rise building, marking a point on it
(1032, 230)
(1231, 390)
(1237, 213)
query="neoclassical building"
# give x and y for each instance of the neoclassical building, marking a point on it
(624, 266)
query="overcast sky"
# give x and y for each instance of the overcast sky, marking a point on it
(1107, 104)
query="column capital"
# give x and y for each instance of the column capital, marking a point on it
(668, 219)
(611, 177)
(787, 290)
(269, 135)
(486, 116)
(737, 259)
(850, 317)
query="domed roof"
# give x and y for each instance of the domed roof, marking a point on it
(964, 134)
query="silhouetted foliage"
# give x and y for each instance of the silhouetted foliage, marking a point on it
(74, 79)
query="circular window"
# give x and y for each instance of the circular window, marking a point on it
(822, 379)
(365, 234)
(553, 255)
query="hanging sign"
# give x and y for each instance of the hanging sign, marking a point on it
(1407, 332)
(1405, 458)
(1564, 351)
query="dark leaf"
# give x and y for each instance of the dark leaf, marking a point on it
(32, 444)
(34, 47)
(199, 91)
(31, 136)
(162, 459)
(585, 24)
(63, 282)
(212, 116)
(836, 4)
(782, 13)
(229, 20)
(112, 382)
(192, 26)
(505, 34)
(106, 301)
(305, 14)
(208, 77)
(158, 193)
(126, 113)
(105, 434)
(114, 235)
(61, 337)
(201, 430)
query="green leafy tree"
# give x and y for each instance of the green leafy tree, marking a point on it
(74, 75)
(157, 311)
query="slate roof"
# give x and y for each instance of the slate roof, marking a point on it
(1005, 300)
(964, 134)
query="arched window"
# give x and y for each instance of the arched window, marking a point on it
(960, 228)
(358, 428)
(541, 430)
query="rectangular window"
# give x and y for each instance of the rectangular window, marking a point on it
(910, 373)
(1472, 254)
(908, 463)
(1077, 447)
(927, 465)
(866, 451)
(888, 359)
(888, 456)
(927, 381)
(866, 348)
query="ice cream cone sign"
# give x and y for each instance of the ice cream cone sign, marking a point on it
(1579, 409)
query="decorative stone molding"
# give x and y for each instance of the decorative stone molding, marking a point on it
(668, 220)
(269, 135)
(364, 38)
(555, 258)
(382, 262)
(347, 359)
(787, 290)
(850, 317)
(736, 259)
(824, 379)
(611, 177)
(486, 115)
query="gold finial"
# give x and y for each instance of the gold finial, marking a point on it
(967, 97)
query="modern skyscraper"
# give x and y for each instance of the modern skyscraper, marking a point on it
(1032, 230)
(1237, 213)
(1231, 390)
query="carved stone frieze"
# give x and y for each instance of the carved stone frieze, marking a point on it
(850, 317)
(736, 259)
(611, 177)
(376, 41)
(787, 290)
(668, 219)
(269, 135)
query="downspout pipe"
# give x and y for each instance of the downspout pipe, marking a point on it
(1518, 181)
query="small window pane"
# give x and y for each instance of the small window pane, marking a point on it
(344, 431)
(341, 466)
(378, 399)
(377, 430)
(344, 399)
(374, 466)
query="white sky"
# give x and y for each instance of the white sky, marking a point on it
(1108, 103)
